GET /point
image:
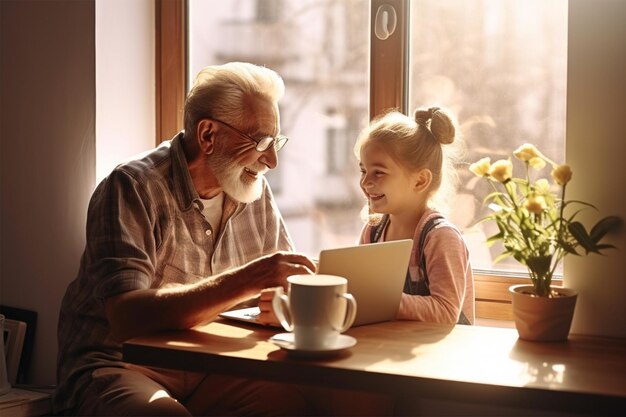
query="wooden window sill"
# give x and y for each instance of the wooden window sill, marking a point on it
(493, 301)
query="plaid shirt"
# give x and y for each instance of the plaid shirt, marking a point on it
(145, 229)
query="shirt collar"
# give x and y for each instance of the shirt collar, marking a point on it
(186, 193)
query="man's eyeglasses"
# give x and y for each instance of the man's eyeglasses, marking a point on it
(262, 144)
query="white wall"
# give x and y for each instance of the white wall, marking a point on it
(54, 55)
(596, 148)
(47, 158)
(125, 81)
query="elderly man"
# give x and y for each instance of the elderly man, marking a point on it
(173, 239)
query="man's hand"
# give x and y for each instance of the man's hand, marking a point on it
(267, 315)
(273, 270)
(283, 265)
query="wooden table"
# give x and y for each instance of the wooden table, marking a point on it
(465, 364)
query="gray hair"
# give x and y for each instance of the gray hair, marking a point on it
(224, 91)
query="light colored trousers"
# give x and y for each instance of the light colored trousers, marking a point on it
(141, 391)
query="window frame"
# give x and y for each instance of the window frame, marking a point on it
(389, 61)
(170, 66)
(493, 300)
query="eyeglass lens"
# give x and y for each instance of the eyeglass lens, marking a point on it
(266, 142)
(262, 144)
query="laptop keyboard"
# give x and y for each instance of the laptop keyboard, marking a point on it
(252, 315)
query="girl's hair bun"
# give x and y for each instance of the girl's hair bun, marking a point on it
(438, 122)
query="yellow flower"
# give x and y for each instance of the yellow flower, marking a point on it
(537, 163)
(542, 186)
(562, 174)
(537, 226)
(530, 154)
(526, 152)
(481, 167)
(501, 170)
(535, 204)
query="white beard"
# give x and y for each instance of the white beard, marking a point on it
(234, 181)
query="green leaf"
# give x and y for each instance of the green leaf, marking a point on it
(603, 246)
(495, 237)
(567, 203)
(571, 218)
(604, 226)
(580, 234)
(492, 196)
(519, 258)
(571, 249)
(484, 220)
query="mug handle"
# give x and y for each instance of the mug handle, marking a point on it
(280, 305)
(350, 311)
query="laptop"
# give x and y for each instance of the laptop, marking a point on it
(375, 274)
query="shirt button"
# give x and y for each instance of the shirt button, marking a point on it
(208, 232)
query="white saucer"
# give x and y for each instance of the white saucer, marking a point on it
(285, 341)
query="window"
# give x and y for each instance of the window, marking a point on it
(321, 51)
(499, 65)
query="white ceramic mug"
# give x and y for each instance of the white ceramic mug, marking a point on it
(316, 309)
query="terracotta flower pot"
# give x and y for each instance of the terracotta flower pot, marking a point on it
(543, 319)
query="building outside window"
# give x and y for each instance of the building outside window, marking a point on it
(498, 65)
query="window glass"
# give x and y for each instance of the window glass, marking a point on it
(320, 48)
(500, 66)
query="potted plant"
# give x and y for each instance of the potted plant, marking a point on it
(538, 227)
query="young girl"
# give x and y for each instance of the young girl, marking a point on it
(406, 166)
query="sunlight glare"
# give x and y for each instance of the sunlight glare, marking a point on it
(177, 343)
(157, 395)
(551, 374)
(230, 331)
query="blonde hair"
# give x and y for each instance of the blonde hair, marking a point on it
(225, 92)
(428, 140)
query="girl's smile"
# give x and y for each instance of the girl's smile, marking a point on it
(386, 184)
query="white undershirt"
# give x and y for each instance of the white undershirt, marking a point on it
(213, 210)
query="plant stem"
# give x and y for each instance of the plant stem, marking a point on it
(517, 209)
(558, 252)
